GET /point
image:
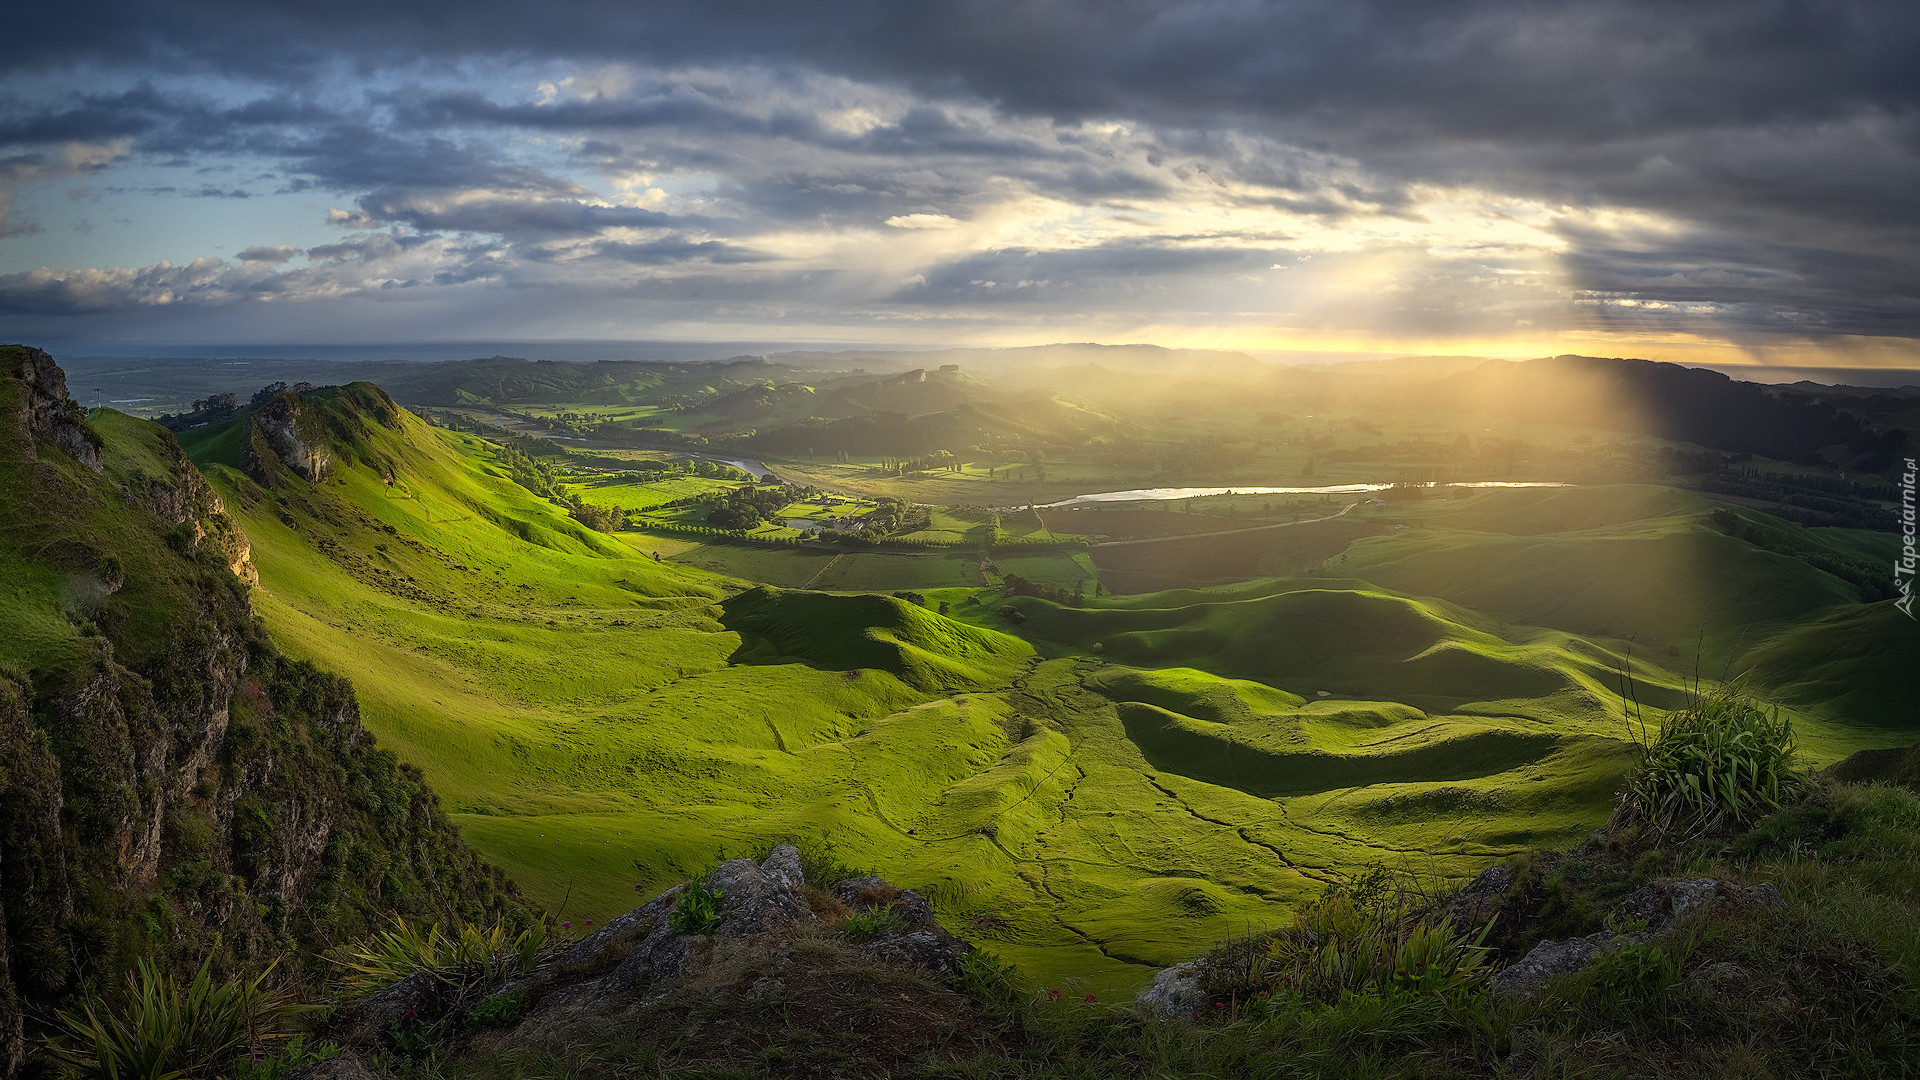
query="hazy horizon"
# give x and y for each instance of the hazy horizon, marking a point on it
(704, 351)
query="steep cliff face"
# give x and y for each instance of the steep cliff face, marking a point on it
(169, 783)
(284, 434)
(46, 415)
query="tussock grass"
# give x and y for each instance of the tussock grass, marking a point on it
(462, 960)
(1724, 760)
(165, 1029)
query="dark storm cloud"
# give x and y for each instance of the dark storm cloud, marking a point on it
(1493, 67)
(1131, 269)
(519, 214)
(1778, 140)
(329, 149)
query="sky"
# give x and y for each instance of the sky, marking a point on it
(1704, 182)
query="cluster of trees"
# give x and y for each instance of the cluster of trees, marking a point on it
(599, 518)
(1873, 580)
(218, 407)
(539, 477)
(1015, 585)
(526, 470)
(1813, 500)
(746, 507)
(937, 461)
(273, 390)
(713, 533)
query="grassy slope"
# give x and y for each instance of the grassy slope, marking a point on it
(1636, 566)
(597, 719)
(54, 558)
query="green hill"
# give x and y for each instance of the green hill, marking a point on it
(1089, 790)
(171, 784)
(852, 633)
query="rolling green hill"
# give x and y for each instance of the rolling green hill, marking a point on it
(1091, 791)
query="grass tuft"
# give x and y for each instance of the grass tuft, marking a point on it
(1724, 760)
(464, 961)
(696, 910)
(167, 1030)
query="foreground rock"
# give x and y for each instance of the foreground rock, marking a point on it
(1176, 992)
(858, 956)
(1635, 921)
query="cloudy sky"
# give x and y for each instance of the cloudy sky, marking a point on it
(1707, 181)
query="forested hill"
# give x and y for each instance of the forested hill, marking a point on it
(171, 786)
(1668, 401)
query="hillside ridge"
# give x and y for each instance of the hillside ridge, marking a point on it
(173, 787)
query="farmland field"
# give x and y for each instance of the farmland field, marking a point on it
(1093, 788)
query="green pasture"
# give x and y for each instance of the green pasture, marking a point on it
(627, 494)
(1090, 791)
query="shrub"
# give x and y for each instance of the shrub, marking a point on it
(166, 1030)
(1338, 947)
(990, 982)
(696, 910)
(463, 962)
(871, 923)
(296, 1054)
(1375, 937)
(501, 1010)
(1724, 760)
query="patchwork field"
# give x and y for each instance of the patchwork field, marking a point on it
(1090, 790)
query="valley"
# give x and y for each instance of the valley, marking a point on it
(1095, 756)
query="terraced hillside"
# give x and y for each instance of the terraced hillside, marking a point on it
(1088, 790)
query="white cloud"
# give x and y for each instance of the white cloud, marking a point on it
(923, 221)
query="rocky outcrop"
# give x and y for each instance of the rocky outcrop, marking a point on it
(1498, 900)
(48, 416)
(1636, 920)
(1551, 959)
(286, 435)
(757, 899)
(776, 934)
(190, 507)
(1666, 901)
(1175, 992)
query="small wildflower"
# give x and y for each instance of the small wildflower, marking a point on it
(1091, 999)
(568, 925)
(1263, 993)
(637, 888)
(589, 922)
(1053, 995)
(1219, 1004)
(411, 1014)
